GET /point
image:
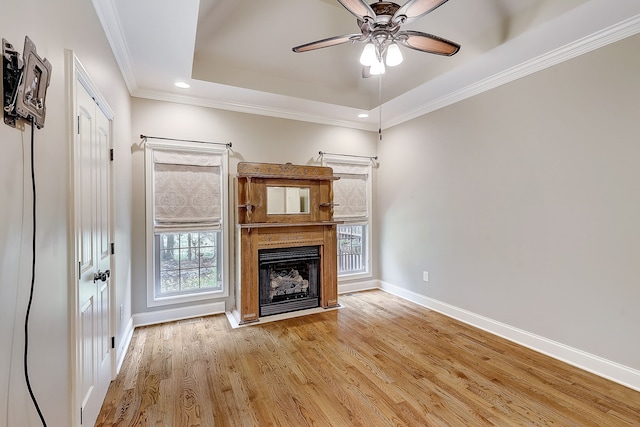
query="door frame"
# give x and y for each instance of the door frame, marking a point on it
(76, 74)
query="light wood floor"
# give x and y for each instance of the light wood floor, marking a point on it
(378, 361)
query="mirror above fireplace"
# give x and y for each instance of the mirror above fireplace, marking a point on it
(287, 200)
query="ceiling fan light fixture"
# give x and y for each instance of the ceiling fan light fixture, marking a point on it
(377, 69)
(369, 56)
(380, 28)
(394, 56)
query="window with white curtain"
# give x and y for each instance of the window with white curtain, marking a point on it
(186, 202)
(352, 199)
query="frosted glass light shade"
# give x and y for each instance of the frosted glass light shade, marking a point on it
(394, 56)
(368, 57)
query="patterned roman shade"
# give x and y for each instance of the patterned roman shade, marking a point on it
(186, 190)
(350, 191)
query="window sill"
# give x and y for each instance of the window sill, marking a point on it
(153, 301)
(350, 277)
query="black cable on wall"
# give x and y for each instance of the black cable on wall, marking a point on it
(33, 279)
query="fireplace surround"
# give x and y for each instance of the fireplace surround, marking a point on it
(286, 240)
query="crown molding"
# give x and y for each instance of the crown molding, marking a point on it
(108, 16)
(261, 110)
(587, 44)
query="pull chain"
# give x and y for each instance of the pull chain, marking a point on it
(380, 107)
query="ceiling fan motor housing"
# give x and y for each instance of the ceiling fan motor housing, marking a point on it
(382, 28)
(384, 10)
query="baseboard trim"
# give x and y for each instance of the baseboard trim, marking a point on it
(613, 371)
(363, 285)
(173, 314)
(124, 345)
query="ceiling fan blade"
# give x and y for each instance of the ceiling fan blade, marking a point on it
(414, 9)
(427, 43)
(328, 42)
(359, 8)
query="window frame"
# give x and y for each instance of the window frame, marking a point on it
(328, 160)
(154, 300)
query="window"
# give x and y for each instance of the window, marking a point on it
(352, 249)
(186, 201)
(187, 262)
(352, 196)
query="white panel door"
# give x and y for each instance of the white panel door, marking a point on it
(92, 212)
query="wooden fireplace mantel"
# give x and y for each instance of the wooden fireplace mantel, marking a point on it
(256, 229)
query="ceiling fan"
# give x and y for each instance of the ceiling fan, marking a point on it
(380, 27)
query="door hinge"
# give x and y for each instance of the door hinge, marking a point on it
(78, 125)
(111, 154)
(80, 415)
(113, 342)
(113, 249)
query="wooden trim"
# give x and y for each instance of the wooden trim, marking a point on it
(280, 224)
(329, 289)
(285, 171)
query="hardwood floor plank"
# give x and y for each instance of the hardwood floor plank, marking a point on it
(378, 361)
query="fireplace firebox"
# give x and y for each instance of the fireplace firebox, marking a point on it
(288, 279)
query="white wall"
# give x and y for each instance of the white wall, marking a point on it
(54, 27)
(254, 139)
(523, 204)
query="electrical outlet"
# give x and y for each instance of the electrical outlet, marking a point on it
(425, 276)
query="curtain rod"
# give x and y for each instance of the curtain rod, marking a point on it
(322, 153)
(227, 144)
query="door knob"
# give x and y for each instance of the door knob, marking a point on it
(101, 275)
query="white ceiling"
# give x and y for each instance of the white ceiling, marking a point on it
(236, 54)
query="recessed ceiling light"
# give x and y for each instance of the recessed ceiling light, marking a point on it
(363, 115)
(182, 85)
